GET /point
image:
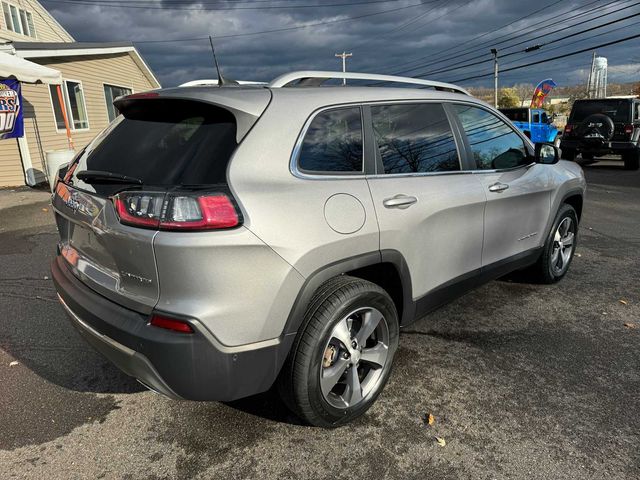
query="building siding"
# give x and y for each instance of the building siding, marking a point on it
(40, 127)
(47, 28)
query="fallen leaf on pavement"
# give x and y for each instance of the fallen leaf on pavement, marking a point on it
(630, 325)
(46, 278)
(624, 302)
(578, 254)
(14, 363)
(45, 209)
(441, 441)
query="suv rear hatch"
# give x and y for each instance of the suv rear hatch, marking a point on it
(161, 165)
(618, 110)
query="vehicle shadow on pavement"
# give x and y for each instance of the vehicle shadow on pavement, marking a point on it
(35, 329)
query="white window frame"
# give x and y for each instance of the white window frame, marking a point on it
(67, 105)
(104, 94)
(27, 13)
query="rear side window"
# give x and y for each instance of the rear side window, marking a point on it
(494, 144)
(164, 143)
(414, 138)
(333, 142)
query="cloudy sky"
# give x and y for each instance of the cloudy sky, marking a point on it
(432, 38)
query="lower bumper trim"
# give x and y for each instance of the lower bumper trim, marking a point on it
(129, 361)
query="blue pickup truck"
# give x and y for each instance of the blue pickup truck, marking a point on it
(535, 123)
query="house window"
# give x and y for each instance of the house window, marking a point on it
(73, 97)
(111, 92)
(18, 20)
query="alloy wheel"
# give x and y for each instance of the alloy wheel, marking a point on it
(563, 242)
(355, 358)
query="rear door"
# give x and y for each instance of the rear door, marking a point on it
(429, 209)
(518, 191)
(165, 144)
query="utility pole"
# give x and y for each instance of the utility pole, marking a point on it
(344, 55)
(495, 77)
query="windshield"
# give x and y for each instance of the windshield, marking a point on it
(616, 110)
(162, 143)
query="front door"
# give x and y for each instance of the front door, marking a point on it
(428, 209)
(518, 191)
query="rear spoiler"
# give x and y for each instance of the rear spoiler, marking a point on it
(246, 105)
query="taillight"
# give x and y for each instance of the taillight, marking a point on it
(568, 128)
(176, 211)
(167, 323)
(628, 129)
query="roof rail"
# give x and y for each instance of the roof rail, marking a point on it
(317, 78)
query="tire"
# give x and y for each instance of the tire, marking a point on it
(342, 306)
(546, 270)
(568, 154)
(631, 160)
(587, 156)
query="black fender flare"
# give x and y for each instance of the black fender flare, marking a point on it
(317, 278)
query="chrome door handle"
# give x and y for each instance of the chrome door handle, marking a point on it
(498, 187)
(399, 201)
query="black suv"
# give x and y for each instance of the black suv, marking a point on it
(602, 126)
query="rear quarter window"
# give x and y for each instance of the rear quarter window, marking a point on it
(333, 143)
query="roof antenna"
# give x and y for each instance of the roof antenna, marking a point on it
(221, 80)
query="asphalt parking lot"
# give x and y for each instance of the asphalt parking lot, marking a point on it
(524, 381)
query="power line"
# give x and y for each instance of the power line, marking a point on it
(526, 32)
(164, 6)
(452, 67)
(577, 52)
(483, 34)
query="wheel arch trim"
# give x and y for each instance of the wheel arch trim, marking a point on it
(345, 265)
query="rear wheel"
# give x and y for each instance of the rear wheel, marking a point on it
(587, 156)
(558, 249)
(631, 160)
(342, 358)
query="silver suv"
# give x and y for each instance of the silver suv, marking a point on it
(215, 241)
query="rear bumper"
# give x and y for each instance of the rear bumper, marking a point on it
(609, 147)
(188, 366)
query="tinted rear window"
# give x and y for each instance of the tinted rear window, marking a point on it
(616, 110)
(164, 143)
(516, 114)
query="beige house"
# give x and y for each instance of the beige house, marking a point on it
(93, 73)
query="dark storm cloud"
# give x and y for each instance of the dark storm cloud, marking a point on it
(378, 42)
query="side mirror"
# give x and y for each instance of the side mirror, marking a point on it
(547, 153)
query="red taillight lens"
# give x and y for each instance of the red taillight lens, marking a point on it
(628, 129)
(171, 324)
(200, 213)
(568, 128)
(176, 211)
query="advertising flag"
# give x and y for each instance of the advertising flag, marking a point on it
(11, 118)
(541, 92)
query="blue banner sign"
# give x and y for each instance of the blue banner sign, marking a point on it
(11, 115)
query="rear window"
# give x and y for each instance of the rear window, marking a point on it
(163, 143)
(516, 114)
(616, 110)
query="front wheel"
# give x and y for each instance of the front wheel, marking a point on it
(342, 358)
(558, 249)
